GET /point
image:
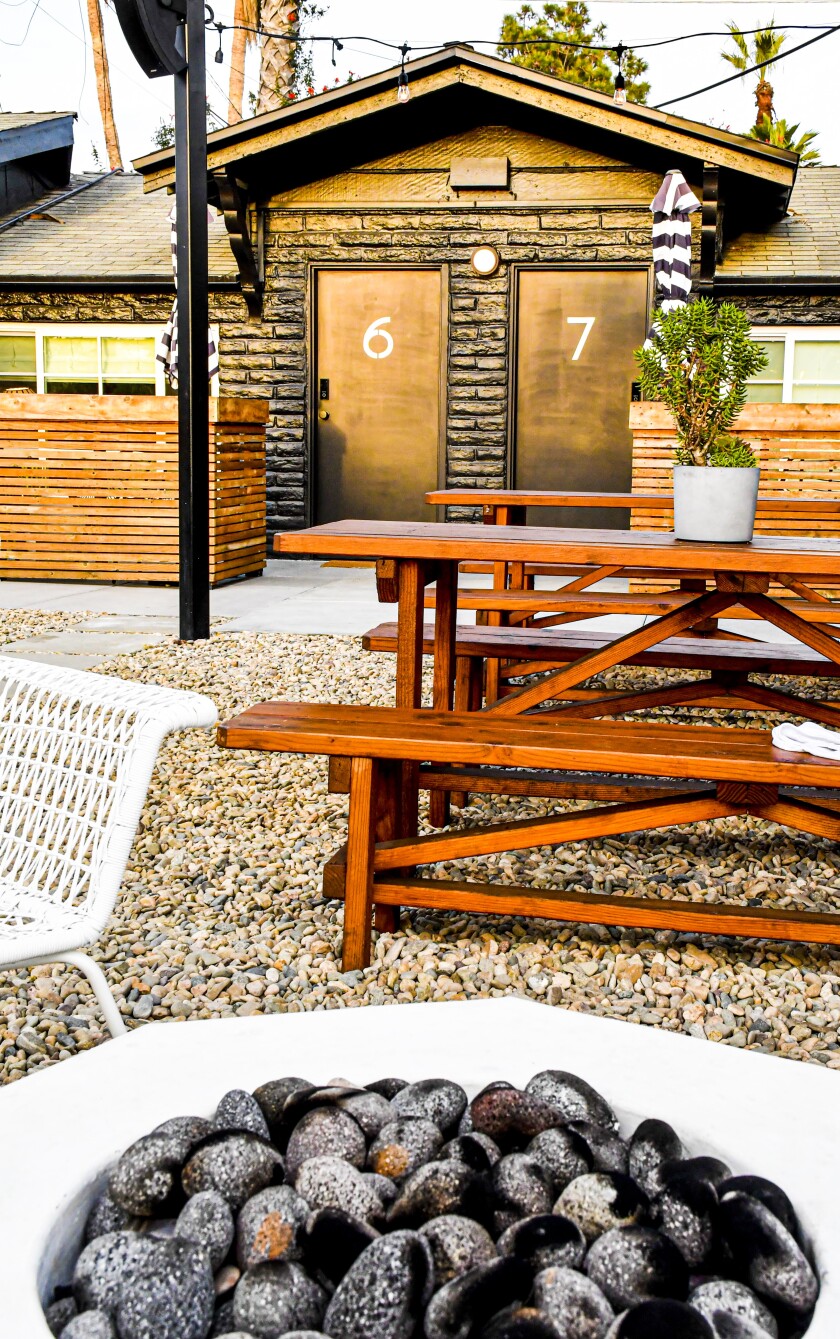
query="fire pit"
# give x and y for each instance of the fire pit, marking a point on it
(65, 1128)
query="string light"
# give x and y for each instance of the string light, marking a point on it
(220, 55)
(620, 94)
(403, 91)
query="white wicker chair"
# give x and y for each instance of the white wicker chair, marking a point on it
(76, 757)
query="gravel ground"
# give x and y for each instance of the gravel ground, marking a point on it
(17, 624)
(221, 910)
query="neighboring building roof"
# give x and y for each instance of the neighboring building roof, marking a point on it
(457, 87)
(99, 228)
(14, 120)
(805, 242)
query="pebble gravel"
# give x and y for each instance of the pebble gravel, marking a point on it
(221, 909)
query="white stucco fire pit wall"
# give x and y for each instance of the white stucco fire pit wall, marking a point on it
(59, 1130)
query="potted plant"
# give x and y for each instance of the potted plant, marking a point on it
(698, 361)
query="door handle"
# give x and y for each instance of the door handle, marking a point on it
(323, 414)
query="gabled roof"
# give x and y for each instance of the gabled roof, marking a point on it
(457, 87)
(99, 229)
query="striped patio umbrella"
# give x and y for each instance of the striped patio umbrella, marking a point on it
(672, 207)
(167, 349)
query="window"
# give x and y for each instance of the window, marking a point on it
(84, 360)
(803, 366)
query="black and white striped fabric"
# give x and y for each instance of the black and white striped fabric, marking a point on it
(672, 207)
(167, 349)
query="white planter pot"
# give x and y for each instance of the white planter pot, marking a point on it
(714, 503)
(64, 1126)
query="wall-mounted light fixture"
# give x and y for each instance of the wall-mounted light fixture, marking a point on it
(485, 260)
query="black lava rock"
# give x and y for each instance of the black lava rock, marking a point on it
(172, 1299)
(59, 1314)
(326, 1132)
(607, 1149)
(332, 1243)
(206, 1220)
(272, 1098)
(461, 1307)
(661, 1320)
(238, 1110)
(520, 1187)
(767, 1256)
(191, 1128)
(512, 1118)
(90, 1325)
(437, 1100)
(236, 1165)
(474, 1150)
(439, 1188)
(574, 1098)
(563, 1154)
(599, 1201)
(709, 1170)
(331, 1183)
(576, 1303)
(545, 1242)
(768, 1194)
(385, 1292)
(371, 1111)
(685, 1211)
(736, 1299)
(458, 1244)
(146, 1175)
(404, 1145)
(635, 1264)
(523, 1323)
(107, 1263)
(270, 1227)
(108, 1216)
(653, 1143)
(276, 1297)
(387, 1088)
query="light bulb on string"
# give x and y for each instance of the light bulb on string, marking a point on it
(220, 55)
(403, 90)
(620, 93)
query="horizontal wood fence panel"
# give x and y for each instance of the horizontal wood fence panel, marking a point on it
(89, 488)
(798, 448)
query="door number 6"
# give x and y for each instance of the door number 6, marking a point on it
(587, 322)
(374, 330)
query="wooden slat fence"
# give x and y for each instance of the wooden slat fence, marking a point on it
(89, 488)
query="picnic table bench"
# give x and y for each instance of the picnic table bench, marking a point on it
(739, 770)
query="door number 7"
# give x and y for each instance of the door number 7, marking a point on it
(587, 322)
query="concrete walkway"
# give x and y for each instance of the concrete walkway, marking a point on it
(290, 596)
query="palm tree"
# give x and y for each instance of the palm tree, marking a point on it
(246, 19)
(277, 66)
(103, 84)
(766, 46)
(785, 136)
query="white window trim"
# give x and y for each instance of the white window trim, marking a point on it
(790, 336)
(84, 329)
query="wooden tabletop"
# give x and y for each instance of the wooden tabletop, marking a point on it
(520, 497)
(428, 541)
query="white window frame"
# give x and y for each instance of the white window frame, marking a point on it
(89, 330)
(790, 336)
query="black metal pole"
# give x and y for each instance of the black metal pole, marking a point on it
(193, 317)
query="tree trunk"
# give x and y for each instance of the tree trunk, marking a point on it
(236, 88)
(103, 84)
(276, 55)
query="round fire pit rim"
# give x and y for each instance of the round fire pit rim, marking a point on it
(750, 1108)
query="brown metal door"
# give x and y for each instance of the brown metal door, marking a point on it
(576, 334)
(379, 381)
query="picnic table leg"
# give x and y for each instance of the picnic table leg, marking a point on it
(411, 582)
(446, 608)
(358, 885)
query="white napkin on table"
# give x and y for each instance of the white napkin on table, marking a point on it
(807, 738)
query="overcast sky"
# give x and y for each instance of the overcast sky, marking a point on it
(46, 63)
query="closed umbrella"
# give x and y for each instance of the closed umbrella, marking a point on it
(672, 207)
(167, 349)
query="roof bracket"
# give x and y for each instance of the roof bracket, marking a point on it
(233, 201)
(711, 232)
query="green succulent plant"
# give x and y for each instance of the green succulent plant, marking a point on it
(698, 362)
(728, 452)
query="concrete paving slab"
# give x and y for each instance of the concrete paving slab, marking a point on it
(66, 661)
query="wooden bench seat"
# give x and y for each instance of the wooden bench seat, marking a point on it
(594, 604)
(742, 770)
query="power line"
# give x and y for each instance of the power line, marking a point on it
(683, 97)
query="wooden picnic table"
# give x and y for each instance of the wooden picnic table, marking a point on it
(410, 555)
(506, 506)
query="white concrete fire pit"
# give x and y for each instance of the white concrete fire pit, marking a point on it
(61, 1129)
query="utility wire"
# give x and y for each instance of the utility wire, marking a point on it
(683, 97)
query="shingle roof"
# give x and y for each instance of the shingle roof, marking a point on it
(805, 242)
(110, 230)
(16, 120)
